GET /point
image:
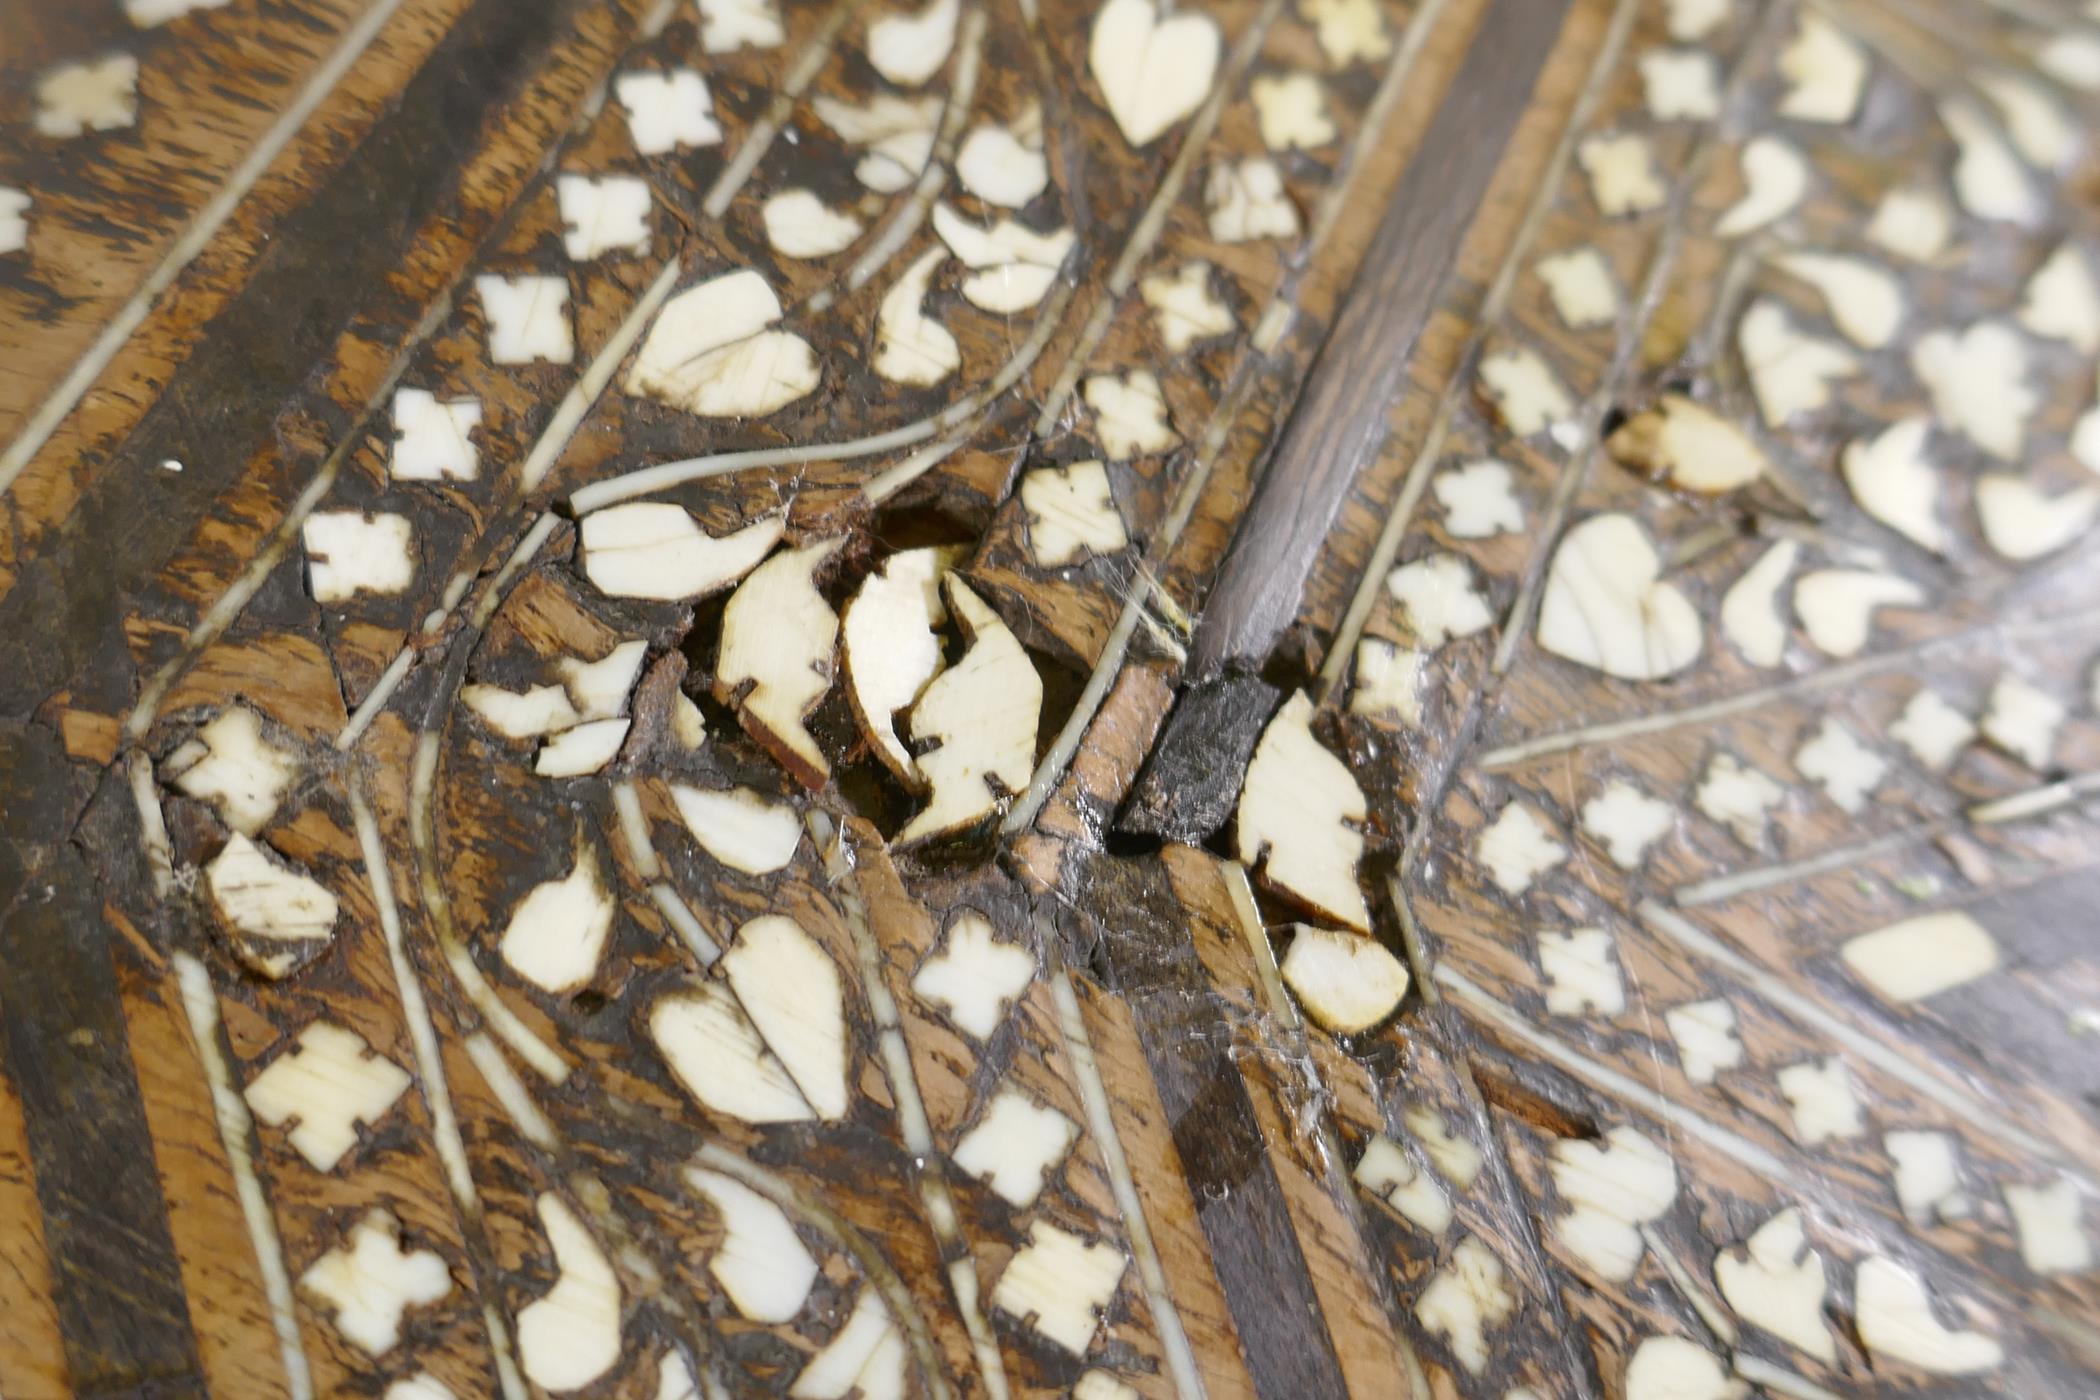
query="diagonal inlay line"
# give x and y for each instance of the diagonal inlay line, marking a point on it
(257, 359)
(1241, 1207)
(194, 240)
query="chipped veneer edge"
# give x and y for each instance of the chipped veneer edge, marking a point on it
(117, 332)
(891, 480)
(200, 1004)
(430, 1067)
(910, 1106)
(1340, 1189)
(1492, 307)
(1029, 804)
(1093, 1095)
(1852, 1041)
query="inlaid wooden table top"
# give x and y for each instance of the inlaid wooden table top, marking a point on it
(1023, 698)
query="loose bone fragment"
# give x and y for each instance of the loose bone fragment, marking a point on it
(778, 634)
(653, 549)
(983, 713)
(890, 650)
(1297, 818)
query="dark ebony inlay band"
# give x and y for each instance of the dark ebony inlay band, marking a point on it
(1341, 419)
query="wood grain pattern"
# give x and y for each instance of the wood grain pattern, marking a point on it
(478, 476)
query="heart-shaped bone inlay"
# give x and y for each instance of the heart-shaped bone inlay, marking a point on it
(1607, 607)
(1152, 71)
(712, 351)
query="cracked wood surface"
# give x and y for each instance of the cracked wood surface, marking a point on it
(1490, 612)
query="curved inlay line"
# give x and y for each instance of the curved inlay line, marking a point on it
(200, 1004)
(928, 1161)
(430, 1073)
(543, 1058)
